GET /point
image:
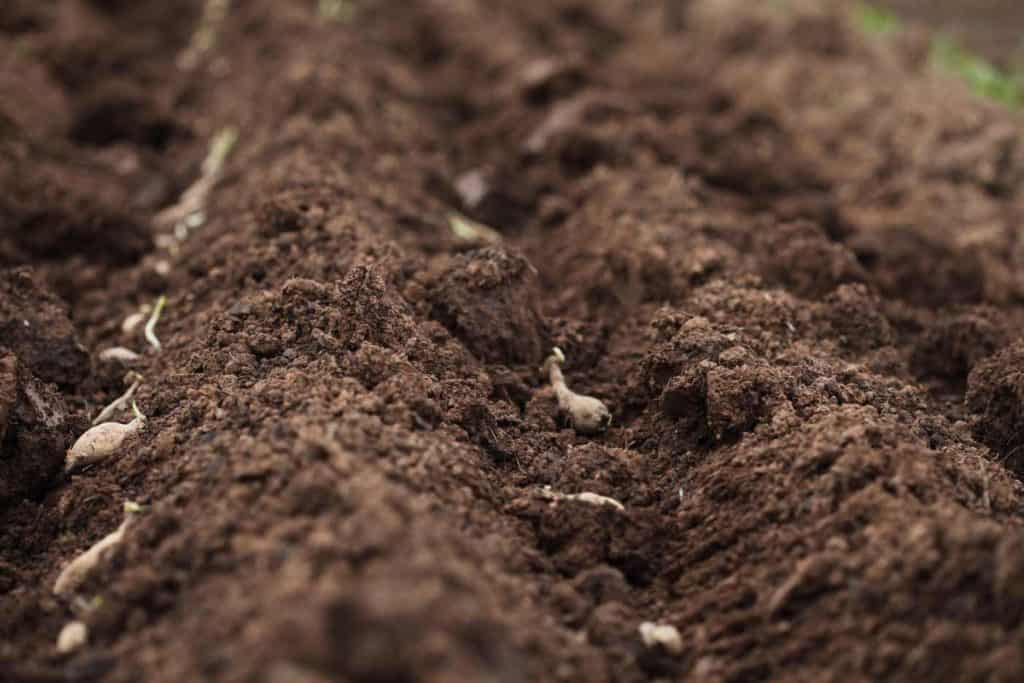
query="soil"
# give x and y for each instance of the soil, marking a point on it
(785, 255)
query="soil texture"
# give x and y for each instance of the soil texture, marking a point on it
(784, 255)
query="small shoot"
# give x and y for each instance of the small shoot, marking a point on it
(587, 414)
(220, 149)
(982, 76)
(875, 21)
(189, 213)
(154, 318)
(471, 231)
(117, 404)
(130, 506)
(342, 11)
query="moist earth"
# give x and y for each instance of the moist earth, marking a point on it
(782, 253)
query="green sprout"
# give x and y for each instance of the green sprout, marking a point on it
(204, 39)
(343, 11)
(131, 507)
(981, 75)
(874, 20)
(153, 320)
(471, 231)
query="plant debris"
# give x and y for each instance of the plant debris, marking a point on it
(204, 39)
(189, 213)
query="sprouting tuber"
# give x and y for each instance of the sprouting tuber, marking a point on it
(587, 414)
(154, 318)
(79, 569)
(102, 441)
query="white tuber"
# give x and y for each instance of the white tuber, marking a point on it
(102, 441)
(118, 354)
(74, 635)
(585, 497)
(665, 635)
(78, 570)
(587, 414)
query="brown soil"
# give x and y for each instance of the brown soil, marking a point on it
(784, 255)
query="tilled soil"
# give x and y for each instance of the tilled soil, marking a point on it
(784, 255)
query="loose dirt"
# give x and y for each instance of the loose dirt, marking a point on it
(783, 254)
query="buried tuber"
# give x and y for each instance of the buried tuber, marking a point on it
(79, 569)
(587, 414)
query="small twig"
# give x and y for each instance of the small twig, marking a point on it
(153, 320)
